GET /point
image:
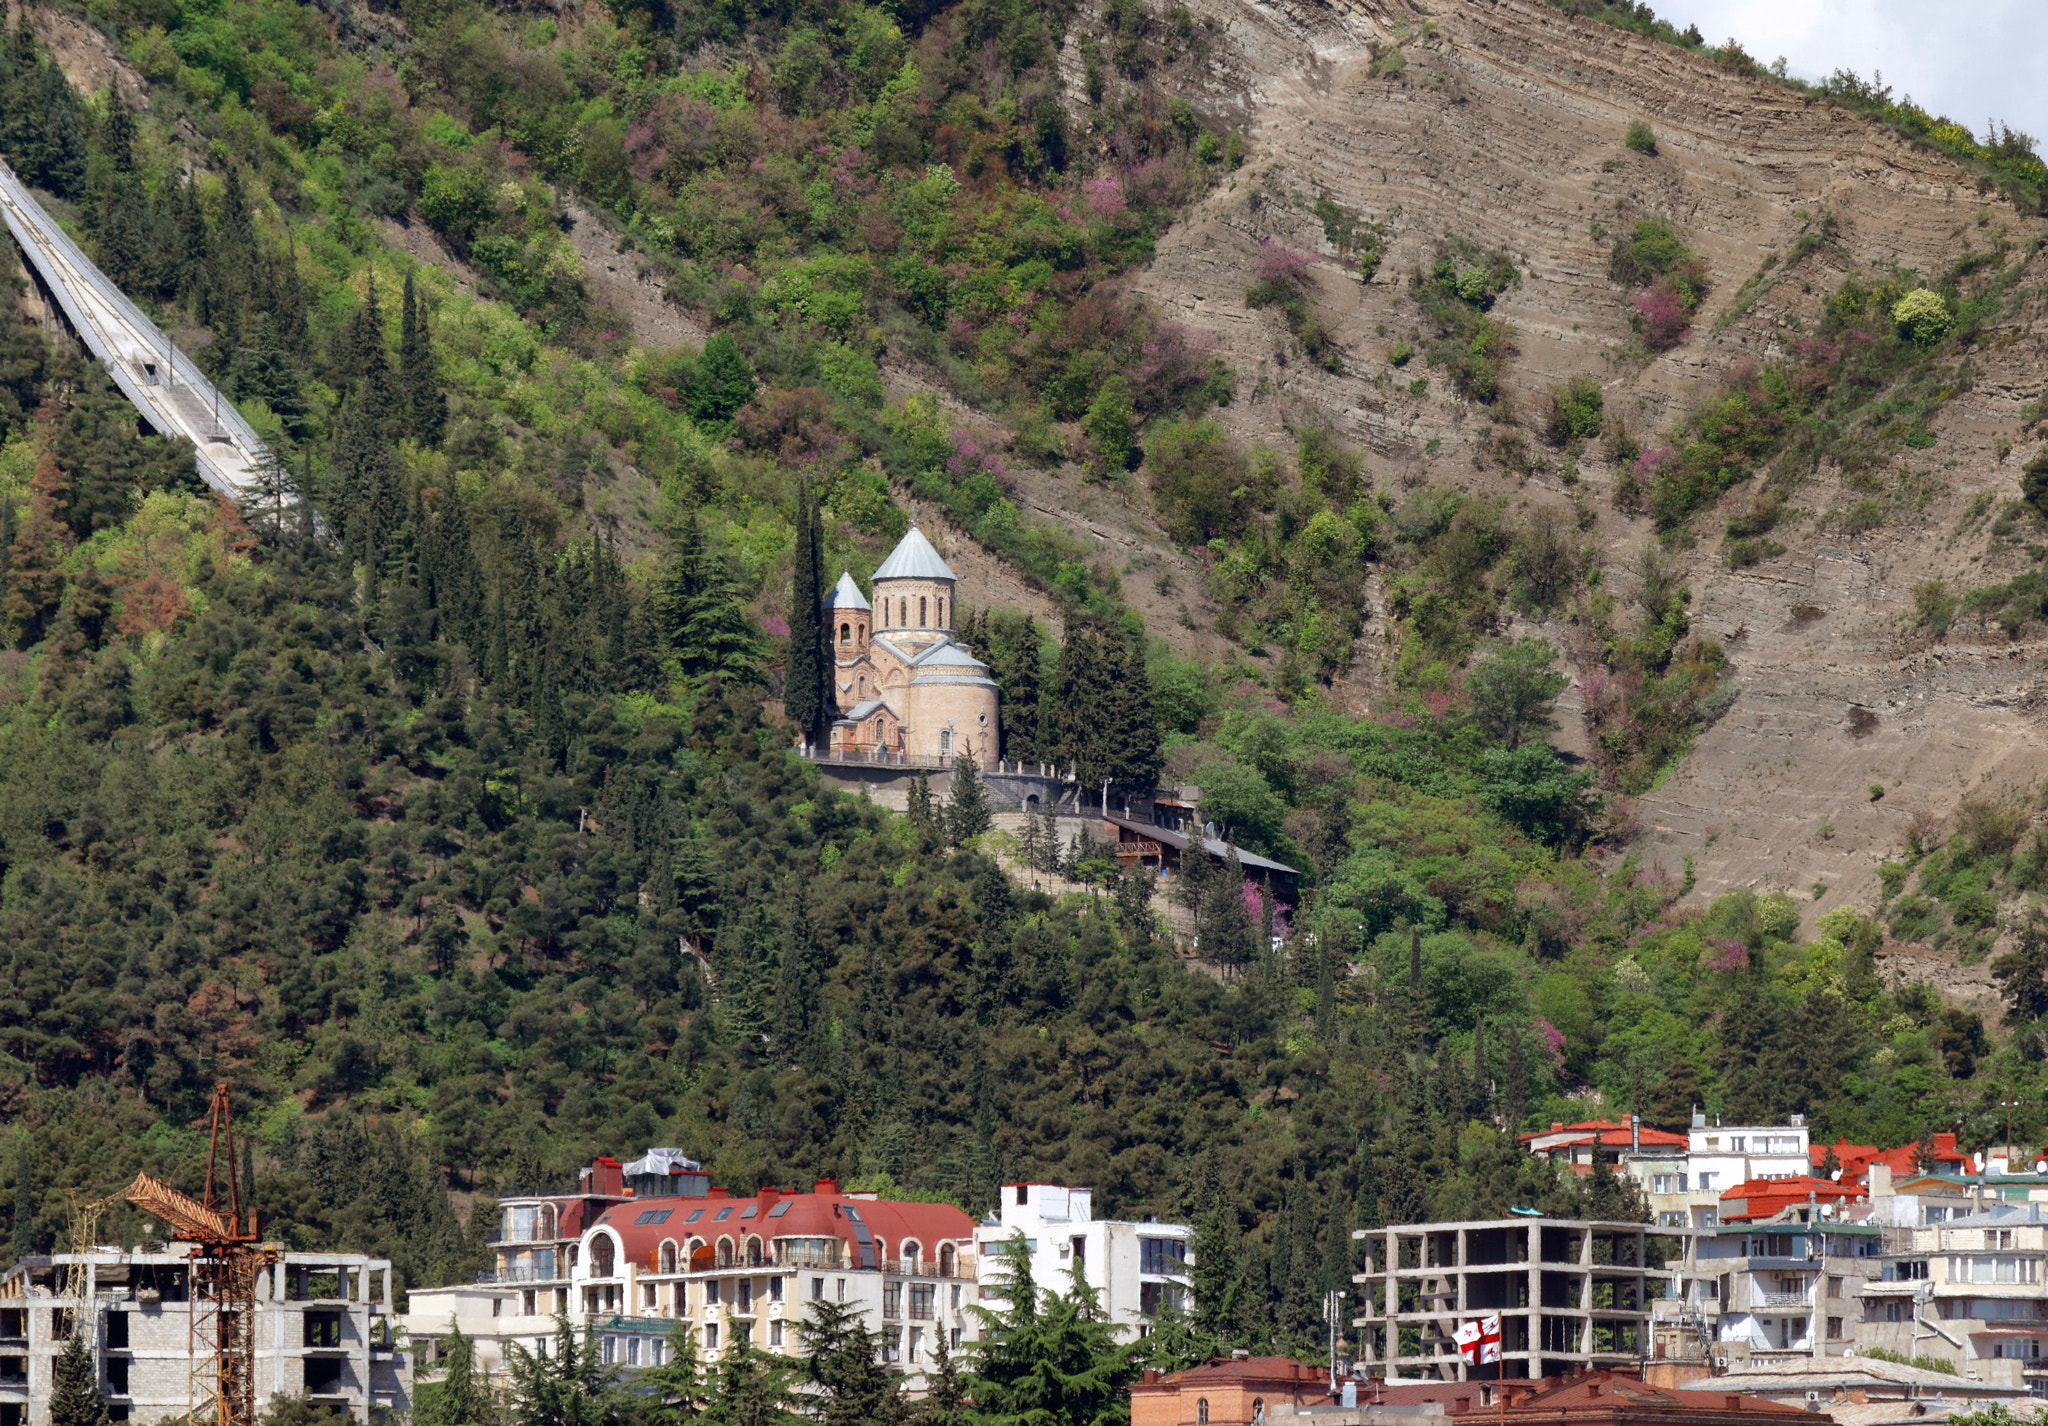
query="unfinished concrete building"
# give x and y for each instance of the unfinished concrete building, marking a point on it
(324, 1331)
(1571, 1295)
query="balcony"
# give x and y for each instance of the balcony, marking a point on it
(796, 1255)
(1782, 1300)
(534, 1234)
(925, 1267)
(522, 1273)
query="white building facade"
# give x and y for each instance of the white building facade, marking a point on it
(1137, 1270)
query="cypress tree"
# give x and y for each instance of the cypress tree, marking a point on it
(923, 814)
(1218, 1275)
(75, 1398)
(807, 688)
(426, 406)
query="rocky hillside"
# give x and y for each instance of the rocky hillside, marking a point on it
(1503, 125)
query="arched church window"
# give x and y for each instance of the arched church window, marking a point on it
(846, 633)
(921, 615)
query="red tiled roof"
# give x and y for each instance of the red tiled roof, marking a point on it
(1614, 1394)
(1856, 1159)
(1263, 1370)
(1763, 1197)
(809, 1215)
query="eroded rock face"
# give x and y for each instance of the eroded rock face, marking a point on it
(1504, 126)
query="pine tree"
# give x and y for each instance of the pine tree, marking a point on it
(75, 1398)
(752, 1388)
(461, 1397)
(800, 990)
(674, 1391)
(568, 1385)
(945, 1401)
(807, 687)
(967, 814)
(724, 382)
(364, 360)
(35, 561)
(842, 1359)
(1048, 1357)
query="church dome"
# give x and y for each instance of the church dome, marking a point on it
(914, 558)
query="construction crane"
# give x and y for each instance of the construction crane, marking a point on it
(85, 1229)
(225, 1262)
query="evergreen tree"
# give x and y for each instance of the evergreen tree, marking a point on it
(1133, 895)
(842, 1360)
(568, 1385)
(35, 561)
(800, 991)
(945, 1401)
(1337, 1252)
(419, 377)
(1047, 1357)
(674, 1391)
(724, 382)
(264, 371)
(700, 611)
(923, 813)
(461, 1397)
(752, 1388)
(1107, 730)
(363, 358)
(807, 687)
(1217, 1275)
(75, 1398)
(967, 813)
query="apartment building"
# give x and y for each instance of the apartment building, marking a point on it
(1136, 1269)
(324, 1331)
(636, 1248)
(1779, 1278)
(1970, 1291)
(1572, 1295)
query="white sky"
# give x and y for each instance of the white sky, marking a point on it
(1973, 60)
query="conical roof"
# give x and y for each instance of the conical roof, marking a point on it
(914, 558)
(846, 594)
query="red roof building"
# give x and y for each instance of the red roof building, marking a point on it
(1762, 1198)
(1246, 1390)
(1576, 1144)
(1855, 1159)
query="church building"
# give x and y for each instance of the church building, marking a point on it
(904, 686)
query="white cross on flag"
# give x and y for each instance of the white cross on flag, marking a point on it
(1479, 1342)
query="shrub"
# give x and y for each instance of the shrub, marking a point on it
(1110, 425)
(1661, 315)
(1744, 553)
(1199, 477)
(1574, 411)
(1922, 316)
(1642, 138)
(1401, 354)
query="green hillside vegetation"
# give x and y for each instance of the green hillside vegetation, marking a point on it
(457, 839)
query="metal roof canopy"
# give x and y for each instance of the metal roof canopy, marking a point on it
(1180, 841)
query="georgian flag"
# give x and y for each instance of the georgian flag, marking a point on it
(1479, 1342)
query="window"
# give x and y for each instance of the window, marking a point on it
(956, 1297)
(749, 1211)
(942, 624)
(632, 1351)
(497, 1307)
(656, 1350)
(1156, 1297)
(921, 1297)
(117, 1331)
(711, 1293)
(1709, 1182)
(1671, 1218)
(1738, 1145)
(1834, 1287)
(817, 1289)
(846, 633)
(1834, 1327)
(946, 743)
(920, 614)
(1202, 1412)
(1160, 1255)
(2011, 1269)
(1710, 1289)
(916, 1344)
(1079, 1247)
(783, 1207)
(117, 1375)
(323, 1329)
(775, 1288)
(956, 1339)
(775, 1333)
(1998, 1237)
(743, 1298)
(1713, 1143)
(742, 1334)
(1024, 1196)
(892, 1344)
(842, 1288)
(710, 1336)
(892, 1299)
(1663, 1183)
(654, 1215)
(1258, 1408)
(723, 1214)
(694, 1216)
(323, 1375)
